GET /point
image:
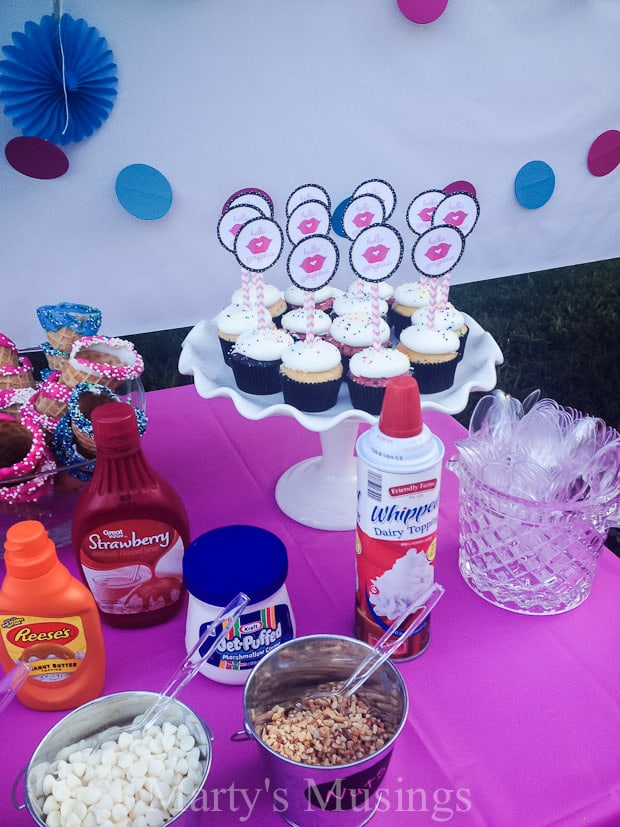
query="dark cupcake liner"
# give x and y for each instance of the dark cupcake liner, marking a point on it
(311, 397)
(462, 343)
(255, 376)
(227, 347)
(367, 398)
(434, 378)
(398, 322)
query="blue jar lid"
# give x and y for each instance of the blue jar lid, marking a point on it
(237, 558)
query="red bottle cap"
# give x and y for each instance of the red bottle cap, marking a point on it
(401, 413)
(115, 427)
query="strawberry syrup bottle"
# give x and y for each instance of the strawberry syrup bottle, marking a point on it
(130, 528)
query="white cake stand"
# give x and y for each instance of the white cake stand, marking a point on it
(321, 491)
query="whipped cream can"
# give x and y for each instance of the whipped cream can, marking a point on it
(399, 462)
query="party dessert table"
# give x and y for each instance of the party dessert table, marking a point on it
(514, 720)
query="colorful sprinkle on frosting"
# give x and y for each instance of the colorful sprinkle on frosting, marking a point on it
(82, 318)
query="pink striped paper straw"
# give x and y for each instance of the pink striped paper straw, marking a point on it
(375, 316)
(444, 289)
(358, 289)
(432, 302)
(245, 290)
(261, 310)
(309, 315)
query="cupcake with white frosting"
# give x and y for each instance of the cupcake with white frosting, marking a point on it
(353, 332)
(295, 322)
(433, 355)
(272, 298)
(231, 322)
(369, 372)
(256, 357)
(446, 317)
(323, 297)
(311, 375)
(359, 286)
(408, 298)
(347, 303)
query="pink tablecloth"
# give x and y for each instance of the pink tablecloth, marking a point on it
(514, 721)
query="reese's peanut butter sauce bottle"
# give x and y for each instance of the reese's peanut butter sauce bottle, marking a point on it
(130, 527)
(49, 620)
(399, 473)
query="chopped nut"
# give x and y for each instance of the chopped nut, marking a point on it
(326, 731)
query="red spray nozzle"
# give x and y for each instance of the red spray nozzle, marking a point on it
(401, 413)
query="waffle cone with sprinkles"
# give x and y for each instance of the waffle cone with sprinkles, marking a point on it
(62, 339)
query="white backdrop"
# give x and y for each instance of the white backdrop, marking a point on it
(224, 94)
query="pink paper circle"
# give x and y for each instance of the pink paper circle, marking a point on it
(36, 158)
(422, 11)
(460, 186)
(604, 154)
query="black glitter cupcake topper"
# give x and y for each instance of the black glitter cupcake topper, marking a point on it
(307, 192)
(258, 244)
(376, 252)
(232, 221)
(421, 210)
(382, 190)
(438, 250)
(308, 218)
(312, 262)
(362, 212)
(460, 210)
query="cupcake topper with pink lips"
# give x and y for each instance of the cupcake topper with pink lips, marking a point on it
(306, 193)
(258, 245)
(306, 219)
(233, 218)
(460, 210)
(381, 190)
(434, 255)
(362, 212)
(375, 255)
(311, 265)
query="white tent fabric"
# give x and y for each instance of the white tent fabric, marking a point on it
(221, 95)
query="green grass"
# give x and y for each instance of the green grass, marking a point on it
(558, 331)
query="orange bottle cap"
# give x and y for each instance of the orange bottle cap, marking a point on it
(29, 551)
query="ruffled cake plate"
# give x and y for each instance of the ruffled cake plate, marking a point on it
(321, 491)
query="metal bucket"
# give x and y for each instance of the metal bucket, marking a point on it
(84, 725)
(346, 795)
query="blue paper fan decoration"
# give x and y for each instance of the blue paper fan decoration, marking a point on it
(59, 79)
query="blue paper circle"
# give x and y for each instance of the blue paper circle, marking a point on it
(534, 184)
(59, 94)
(143, 191)
(337, 217)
